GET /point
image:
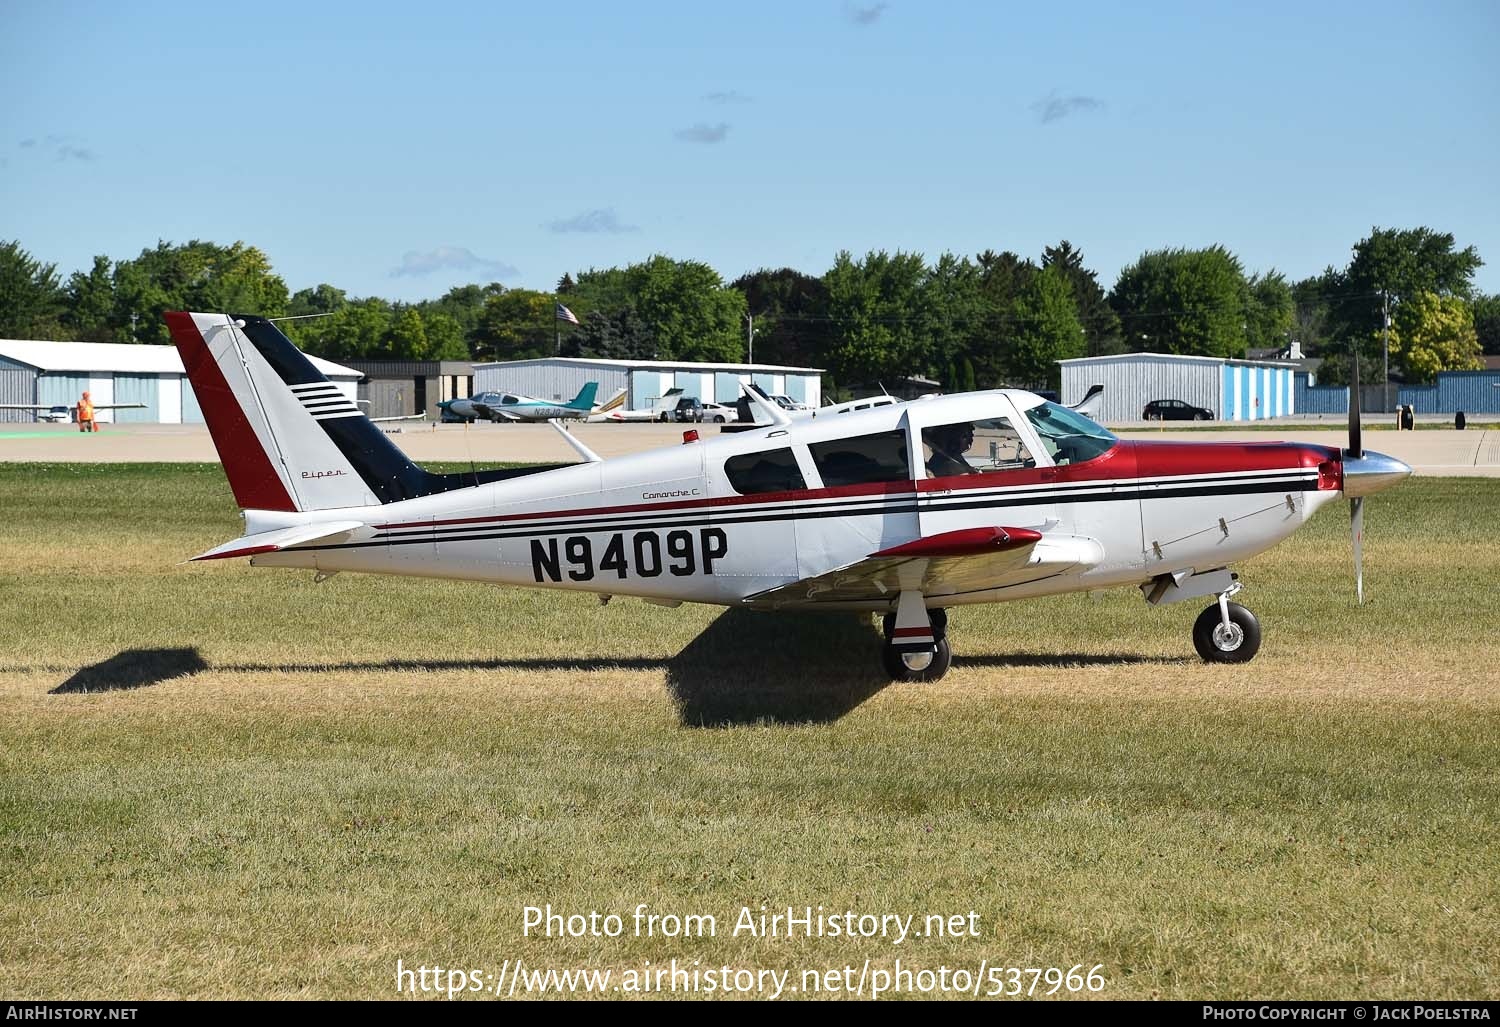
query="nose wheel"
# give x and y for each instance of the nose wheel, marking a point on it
(1226, 632)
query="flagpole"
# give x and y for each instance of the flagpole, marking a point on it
(556, 328)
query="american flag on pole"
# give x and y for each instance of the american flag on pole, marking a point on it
(564, 314)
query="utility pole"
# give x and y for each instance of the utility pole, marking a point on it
(1385, 337)
(749, 337)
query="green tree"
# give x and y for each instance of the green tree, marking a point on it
(1101, 325)
(517, 324)
(408, 336)
(1002, 278)
(31, 299)
(1311, 313)
(445, 339)
(878, 316)
(688, 309)
(359, 330)
(791, 316)
(1183, 301)
(616, 335)
(954, 307)
(1270, 311)
(464, 305)
(1388, 267)
(1487, 323)
(1432, 333)
(90, 314)
(1047, 329)
(197, 275)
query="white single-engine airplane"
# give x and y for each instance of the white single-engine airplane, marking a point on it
(903, 509)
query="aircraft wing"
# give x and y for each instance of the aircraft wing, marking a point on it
(402, 417)
(950, 564)
(49, 406)
(285, 538)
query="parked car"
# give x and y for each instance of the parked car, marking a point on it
(718, 413)
(1175, 410)
(57, 415)
(688, 408)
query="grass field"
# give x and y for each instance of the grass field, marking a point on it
(217, 781)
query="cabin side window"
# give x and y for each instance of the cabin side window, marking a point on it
(974, 447)
(862, 459)
(774, 470)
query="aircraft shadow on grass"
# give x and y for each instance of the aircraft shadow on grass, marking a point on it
(751, 667)
(133, 668)
(746, 667)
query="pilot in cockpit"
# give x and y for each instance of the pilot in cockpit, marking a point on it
(949, 443)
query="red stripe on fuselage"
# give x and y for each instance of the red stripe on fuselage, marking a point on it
(255, 483)
(1121, 462)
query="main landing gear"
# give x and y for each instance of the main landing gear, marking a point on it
(1226, 632)
(916, 641)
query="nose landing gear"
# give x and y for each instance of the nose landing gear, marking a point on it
(1226, 632)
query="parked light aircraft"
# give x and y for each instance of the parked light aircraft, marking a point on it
(511, 406)
(59, 412)
(905, 509)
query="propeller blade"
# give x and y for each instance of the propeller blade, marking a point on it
(1357, 529)
(1356, 449)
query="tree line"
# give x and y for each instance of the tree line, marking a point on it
(968, 322)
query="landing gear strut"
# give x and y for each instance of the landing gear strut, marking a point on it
(1226, 632)
(910, 657)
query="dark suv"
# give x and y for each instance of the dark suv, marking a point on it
(1175, 410)
(688, 408)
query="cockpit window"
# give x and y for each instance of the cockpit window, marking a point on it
(974, 447)
(509, 400)
(862, 459)
(774, 470)
(1070, 437)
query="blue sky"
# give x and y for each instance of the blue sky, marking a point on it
(400, 149)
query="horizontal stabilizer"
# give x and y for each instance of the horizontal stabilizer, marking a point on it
(286, 538)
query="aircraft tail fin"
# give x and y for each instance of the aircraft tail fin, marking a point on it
(585, 398)
(289, 438)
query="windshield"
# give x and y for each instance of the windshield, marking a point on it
(1070, 437)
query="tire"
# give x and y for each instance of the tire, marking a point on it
(934, 671)
(1214, 648)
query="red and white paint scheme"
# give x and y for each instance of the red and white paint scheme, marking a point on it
(903, 509)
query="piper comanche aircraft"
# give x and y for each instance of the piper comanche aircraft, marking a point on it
(903, 509)
(510, 406)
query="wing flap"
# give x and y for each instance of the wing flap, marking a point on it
(285, 538)
(952, 563)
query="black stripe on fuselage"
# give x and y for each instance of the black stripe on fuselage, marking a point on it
(857, 506)
(706, 517)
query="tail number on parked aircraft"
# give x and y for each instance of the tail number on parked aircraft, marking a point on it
(643, 553)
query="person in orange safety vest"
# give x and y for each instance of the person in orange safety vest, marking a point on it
(86, 420)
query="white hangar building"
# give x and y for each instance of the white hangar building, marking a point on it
(1235, 390)
(560, 378)
(58, 373)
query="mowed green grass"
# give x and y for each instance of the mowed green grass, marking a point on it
(306, 782)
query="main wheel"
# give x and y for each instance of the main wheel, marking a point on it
(899, 665)
(938, 617)
(1236, 644)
